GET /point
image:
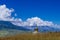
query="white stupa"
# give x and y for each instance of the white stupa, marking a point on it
(36, 30)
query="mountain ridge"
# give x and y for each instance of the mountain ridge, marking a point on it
(9, 25)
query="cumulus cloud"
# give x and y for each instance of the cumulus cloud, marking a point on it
(15, 14)
(5, 15)
(34, 21)
(38, 21)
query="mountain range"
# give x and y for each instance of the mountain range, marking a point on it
(6, 27)
(9, 25)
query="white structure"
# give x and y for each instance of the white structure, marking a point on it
(35, 30)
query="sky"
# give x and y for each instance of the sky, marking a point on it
(44, 9)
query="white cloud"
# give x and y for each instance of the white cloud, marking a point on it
(38, 21)
(5, 15)
(34, 21)
(15, 14)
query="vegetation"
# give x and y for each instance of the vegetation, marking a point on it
(31, 36)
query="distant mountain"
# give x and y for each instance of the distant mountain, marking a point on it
(9, 25)
(48, 29)
(8, 29)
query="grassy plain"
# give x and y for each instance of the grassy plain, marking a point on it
(31, 36)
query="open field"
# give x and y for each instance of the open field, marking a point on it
(30, 36)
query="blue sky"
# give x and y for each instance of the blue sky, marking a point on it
(45, 9)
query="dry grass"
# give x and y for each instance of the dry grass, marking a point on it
(38, 36)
